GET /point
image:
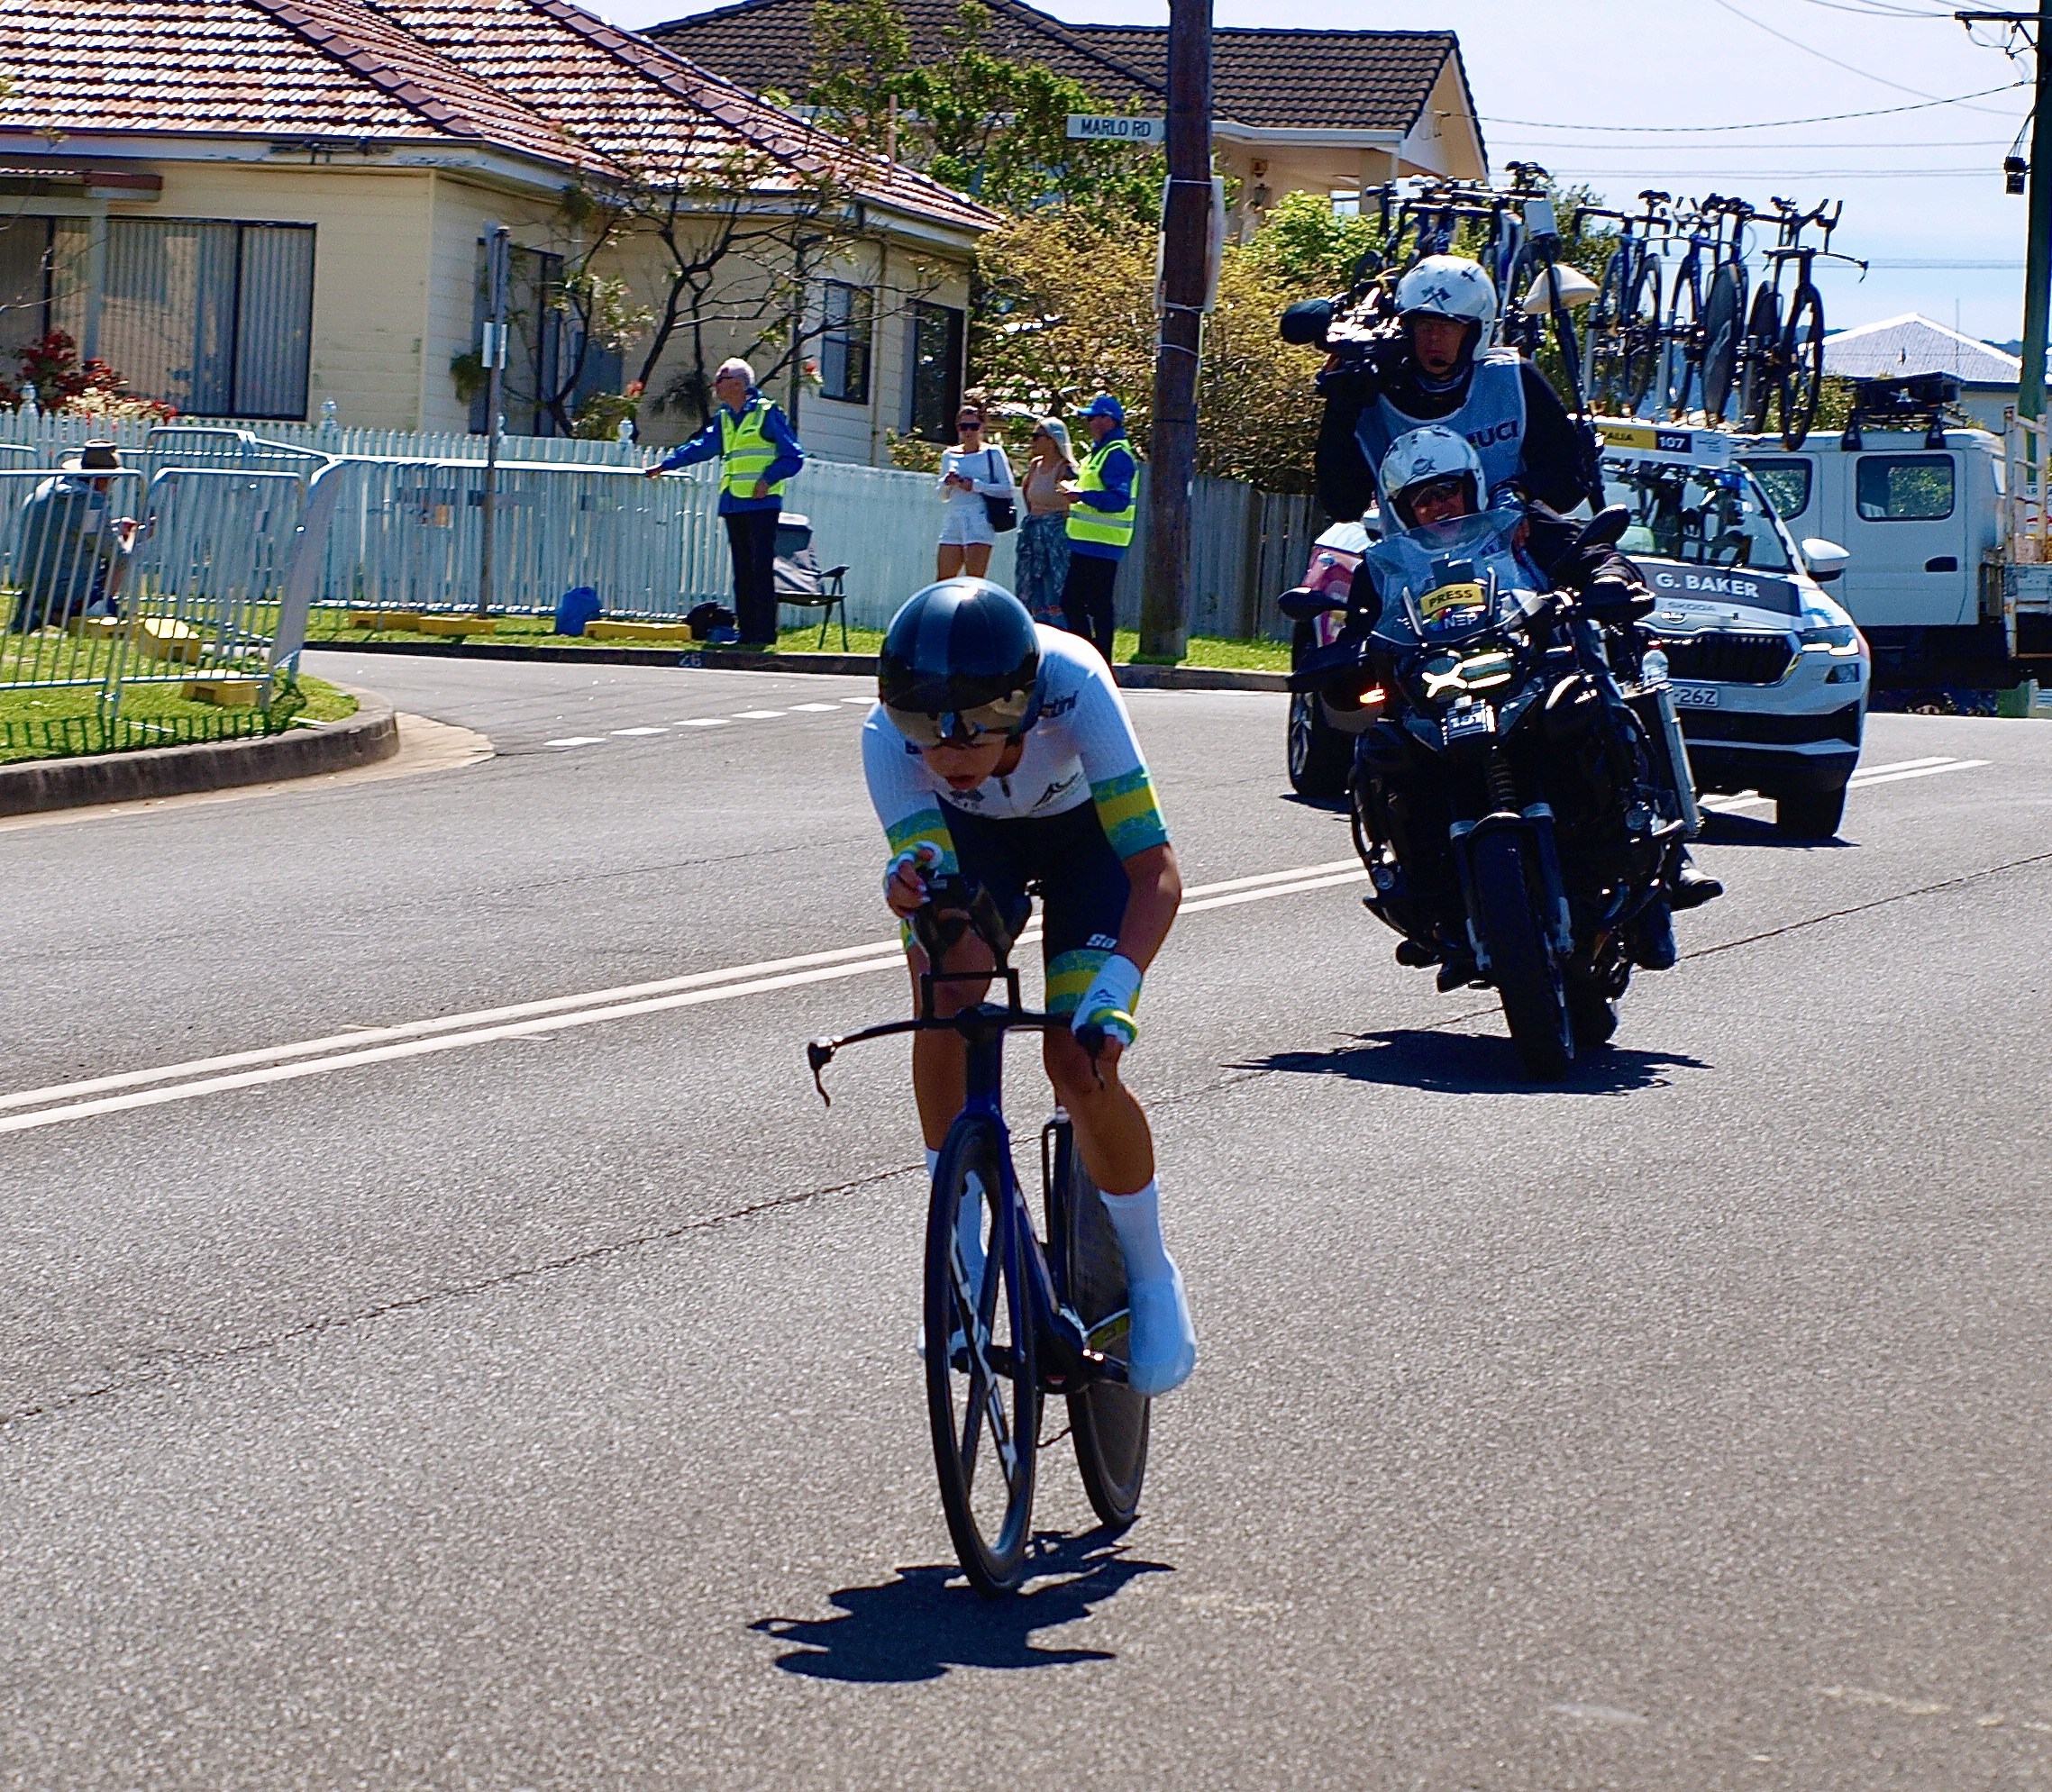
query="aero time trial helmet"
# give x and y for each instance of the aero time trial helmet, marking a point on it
(960, 658)
(1426, 458)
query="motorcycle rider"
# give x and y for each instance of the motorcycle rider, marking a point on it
(1438, 369)
(1435, 474)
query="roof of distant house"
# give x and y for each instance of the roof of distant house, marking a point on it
(543, 78)
(1897, 348)
(1338, 80)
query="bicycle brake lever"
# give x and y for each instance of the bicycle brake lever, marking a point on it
(819, 1054)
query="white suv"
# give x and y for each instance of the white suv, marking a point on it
(1769, 674)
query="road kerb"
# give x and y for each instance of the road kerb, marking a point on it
(36, 786)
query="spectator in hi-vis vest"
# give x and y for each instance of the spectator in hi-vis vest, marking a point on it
(1100, 522)
(758, 454)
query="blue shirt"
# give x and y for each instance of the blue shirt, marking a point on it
(706, 446)
(1118, 474)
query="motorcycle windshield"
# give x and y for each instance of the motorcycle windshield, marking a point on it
(1442, 581)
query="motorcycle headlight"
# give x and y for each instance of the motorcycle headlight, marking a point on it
(1447, 676)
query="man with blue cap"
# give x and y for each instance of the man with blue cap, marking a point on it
(1100, 522)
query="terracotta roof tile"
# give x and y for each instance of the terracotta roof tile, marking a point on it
(541, 77)
(1275, 78)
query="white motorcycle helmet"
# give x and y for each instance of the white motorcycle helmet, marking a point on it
(1428, 457)
(1451, 286)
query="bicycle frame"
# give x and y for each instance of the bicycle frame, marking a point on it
(1067, 1359)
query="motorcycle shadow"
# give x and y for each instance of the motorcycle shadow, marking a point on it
(1722, 829)
(1462, 1063)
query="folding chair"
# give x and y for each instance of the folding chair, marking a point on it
(802, 581)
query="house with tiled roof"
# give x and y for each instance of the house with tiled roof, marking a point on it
(253, 207)
(1900, 348)
(1327, 111)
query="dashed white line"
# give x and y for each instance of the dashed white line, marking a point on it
(577, 741)
(756, 714)
(704, 721)
(1893, 773)
(640, 730)
(815, 709)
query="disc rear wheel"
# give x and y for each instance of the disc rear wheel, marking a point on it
(982, 1385)
(1107, 1421)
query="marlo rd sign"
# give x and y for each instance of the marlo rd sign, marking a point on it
(1102, 128)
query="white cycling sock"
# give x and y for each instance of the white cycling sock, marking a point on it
(1137, 1218)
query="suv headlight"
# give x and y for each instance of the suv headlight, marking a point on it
(1841, 639)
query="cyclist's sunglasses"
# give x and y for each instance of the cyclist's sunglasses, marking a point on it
(962, 727)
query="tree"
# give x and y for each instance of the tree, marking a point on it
(976, 121)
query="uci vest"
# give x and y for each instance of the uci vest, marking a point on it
(1112, 528)
(746, 451)
(1491, 417)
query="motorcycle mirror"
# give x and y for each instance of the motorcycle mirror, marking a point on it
(1603, 529)
(1300, 605)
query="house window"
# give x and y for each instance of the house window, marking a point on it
(542, 351)
(846, 314)
(215, 317)
(933, 392)
(1904, 488)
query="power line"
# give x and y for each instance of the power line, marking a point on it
(1772, 125)
(1822, 56)
(1769, 149)
(1776, 173)
(1883, 10)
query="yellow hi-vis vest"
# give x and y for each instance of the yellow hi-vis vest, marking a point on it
(746, 451)
(1114, 528)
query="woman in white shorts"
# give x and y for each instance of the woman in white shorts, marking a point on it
(969, 473)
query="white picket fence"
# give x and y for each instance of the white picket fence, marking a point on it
(407, 525)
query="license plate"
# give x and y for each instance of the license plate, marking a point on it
(1475, 721)
(1694, 696)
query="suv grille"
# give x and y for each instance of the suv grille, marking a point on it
(1727, 658)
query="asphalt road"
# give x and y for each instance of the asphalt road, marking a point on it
(494, 1400)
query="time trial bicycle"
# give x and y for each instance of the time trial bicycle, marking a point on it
(1010, 1318)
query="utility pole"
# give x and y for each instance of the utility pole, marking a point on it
(2037, 255)
(1186, 236)
(498, 257)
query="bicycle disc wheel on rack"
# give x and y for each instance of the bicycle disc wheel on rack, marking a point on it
(1722, 310)
(1802, 352)
(1107, 1421)
(1759, 372)
(1639, 360)
(982, 1384)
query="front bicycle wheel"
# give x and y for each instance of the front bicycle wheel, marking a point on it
(1760, 373)
(1107, 1421)
(1682, 375)
(982, 1384)
(1802, 353)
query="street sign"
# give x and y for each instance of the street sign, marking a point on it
(1103, 128)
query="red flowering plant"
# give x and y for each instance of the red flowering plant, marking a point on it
(80, 388)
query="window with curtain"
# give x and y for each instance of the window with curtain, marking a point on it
(217, 317)
(846, 314)
(544, 348)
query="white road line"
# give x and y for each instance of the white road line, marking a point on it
(640, 730)
(756, 714)
(1921, 771)
(416, 1039)
(704, 721)
(815, 709)
(1894, 772)
(577, 741)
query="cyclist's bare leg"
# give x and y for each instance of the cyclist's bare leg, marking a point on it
(939, 1081)
(948, 561)
(1118, 1147)
(976, 559)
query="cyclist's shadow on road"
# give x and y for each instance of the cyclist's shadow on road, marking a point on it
(916, 1626)
(1463, 1063)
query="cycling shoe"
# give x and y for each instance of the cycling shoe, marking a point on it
(1163, 1340)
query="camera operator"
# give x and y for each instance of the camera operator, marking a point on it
(1430, 363)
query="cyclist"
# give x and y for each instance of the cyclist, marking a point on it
(1441, 369)
(1434, 475)
(1002, 750)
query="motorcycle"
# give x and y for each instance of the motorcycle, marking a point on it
(1515, 790)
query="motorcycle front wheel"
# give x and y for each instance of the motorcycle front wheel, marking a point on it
(1527, 982)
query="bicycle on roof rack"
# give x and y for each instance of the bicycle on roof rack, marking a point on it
(1781, 356)
(1622, 338)
(1009, 1319)
(1706, 301)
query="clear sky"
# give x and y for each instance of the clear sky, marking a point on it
(1922, 188)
